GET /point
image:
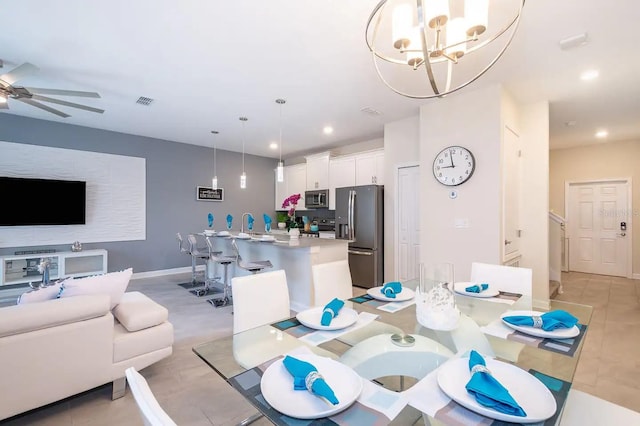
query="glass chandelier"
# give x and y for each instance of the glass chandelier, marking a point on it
(280, 169)
(443, 45)
(243, 176)
(214, 181)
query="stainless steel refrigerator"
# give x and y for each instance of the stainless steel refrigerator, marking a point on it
(359, 219)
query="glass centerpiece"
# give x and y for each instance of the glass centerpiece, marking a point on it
(435, 302)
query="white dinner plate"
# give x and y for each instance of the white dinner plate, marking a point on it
(311, 318)
(460, 289)
(223, 234)
(276, 386)
(267, 238)
(530, 393)
(561, 333)
(243, 236)
(405, 294)
(209, 233)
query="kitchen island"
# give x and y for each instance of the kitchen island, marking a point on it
(296, 257)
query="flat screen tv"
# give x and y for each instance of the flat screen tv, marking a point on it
(27, 201)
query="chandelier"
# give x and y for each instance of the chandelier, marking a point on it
(447, 43)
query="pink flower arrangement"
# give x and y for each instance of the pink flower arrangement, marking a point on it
(290, 203)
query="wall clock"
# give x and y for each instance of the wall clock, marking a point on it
(453, 166)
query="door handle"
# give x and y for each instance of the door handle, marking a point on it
(622, 234)
(361, 253)
(507, 242)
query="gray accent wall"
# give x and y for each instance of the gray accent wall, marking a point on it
(173, 172)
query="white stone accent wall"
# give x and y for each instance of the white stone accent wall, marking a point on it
(116, 194)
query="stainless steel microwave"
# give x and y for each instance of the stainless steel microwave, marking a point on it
(317, 199)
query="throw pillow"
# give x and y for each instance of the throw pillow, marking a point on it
(42, 294)
(114, 284)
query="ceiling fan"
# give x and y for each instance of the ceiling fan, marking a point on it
(33, 95)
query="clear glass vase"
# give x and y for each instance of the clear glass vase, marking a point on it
(435, 302)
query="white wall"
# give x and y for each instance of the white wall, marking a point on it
(534, 121)
(401, 148)
(471, 119)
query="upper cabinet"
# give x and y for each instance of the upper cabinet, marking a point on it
(342, 172)
(370, 168)
(318, 171)
(295, 182)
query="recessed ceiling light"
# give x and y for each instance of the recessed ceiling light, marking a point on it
(602, 134)
(327, 130)
(273, 145)
(574, 41)
(589, 75)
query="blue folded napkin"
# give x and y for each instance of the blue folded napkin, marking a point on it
(488, 391)
(305, 376)
(229, 221)
(476, 288)
(250, 222)
(549, 321)
(390, 289)
(267, 222)
(210, 219)
(330, 311)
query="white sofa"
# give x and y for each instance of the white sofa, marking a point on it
(57, 348)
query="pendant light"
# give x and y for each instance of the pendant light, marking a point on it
(214, 181)
(280, 169)
(243, 176)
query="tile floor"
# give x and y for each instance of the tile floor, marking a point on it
(193, 394)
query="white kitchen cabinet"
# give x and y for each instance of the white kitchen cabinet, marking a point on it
(295, 182)
(318, 171)
(370, 168)
(342, 172)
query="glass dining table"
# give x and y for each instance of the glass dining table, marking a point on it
(391, 331)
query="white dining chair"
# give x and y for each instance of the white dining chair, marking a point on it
(584, 409)
(150, 411)
(259, 299)
(333, 279)
(504, 278)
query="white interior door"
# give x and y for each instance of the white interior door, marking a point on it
(512, 193)
(408, 224)
(596, 214)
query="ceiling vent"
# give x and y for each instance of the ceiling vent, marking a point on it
(371, 111)
(144, 101)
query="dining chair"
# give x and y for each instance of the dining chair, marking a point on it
(582, 408)
(504, 278)
(333, 279)
(150, 411)
(259, 299)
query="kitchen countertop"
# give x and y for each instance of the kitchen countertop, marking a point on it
(283, 241)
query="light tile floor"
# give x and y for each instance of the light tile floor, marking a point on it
(609, 366)
(193, 394)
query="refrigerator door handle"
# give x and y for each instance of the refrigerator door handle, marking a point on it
(352, 205)
(362, 253)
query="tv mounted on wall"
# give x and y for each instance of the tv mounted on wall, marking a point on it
(27, 201)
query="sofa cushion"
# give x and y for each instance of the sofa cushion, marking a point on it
(41, 294)
(36, 316)
(114, 284)
(136, 311)
(128, 344)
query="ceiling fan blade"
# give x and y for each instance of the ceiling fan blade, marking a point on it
(19, 72)
(43, 106)
(43, 91)
(65, 103)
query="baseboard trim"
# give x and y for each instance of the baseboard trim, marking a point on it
(163, 272)
(541, 304)
(635, 276)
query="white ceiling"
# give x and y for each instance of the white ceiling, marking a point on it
(207, 63)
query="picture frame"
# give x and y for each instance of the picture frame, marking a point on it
(205, 193)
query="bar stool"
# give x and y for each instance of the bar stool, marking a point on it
(199, 253)
(254, 266)
(225, 261)
(187, 250)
